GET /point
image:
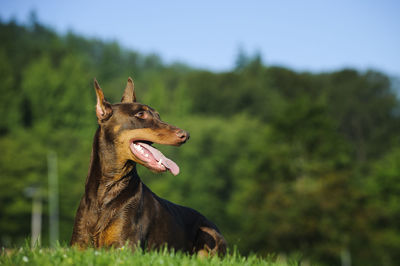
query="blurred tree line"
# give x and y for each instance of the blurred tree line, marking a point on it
(283, 162)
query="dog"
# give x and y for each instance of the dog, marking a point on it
(117, 207)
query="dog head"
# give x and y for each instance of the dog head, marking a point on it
(129, 128)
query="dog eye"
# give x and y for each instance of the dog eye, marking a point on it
(141, 115)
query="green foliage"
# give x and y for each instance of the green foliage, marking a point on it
(283, 162)
(62, 88)
(382, 188)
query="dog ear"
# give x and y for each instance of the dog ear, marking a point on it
(103, 108)
(129, 95)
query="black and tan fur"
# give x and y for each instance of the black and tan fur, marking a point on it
(117, 207)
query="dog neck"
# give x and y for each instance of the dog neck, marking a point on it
(107, 177)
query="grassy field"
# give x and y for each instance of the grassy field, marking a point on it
(124, 256)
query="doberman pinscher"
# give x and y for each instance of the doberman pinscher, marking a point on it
(117, 208)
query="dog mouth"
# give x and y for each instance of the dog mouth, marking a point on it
(153, 158)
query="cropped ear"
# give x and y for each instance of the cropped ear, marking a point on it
(103, 108)
(129, 95)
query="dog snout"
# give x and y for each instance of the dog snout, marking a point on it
(182, 135)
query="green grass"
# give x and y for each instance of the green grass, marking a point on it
(123, 256)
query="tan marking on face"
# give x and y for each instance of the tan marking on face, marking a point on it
(116, 128)
(161, 136)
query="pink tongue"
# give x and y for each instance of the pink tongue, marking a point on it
(169, 164)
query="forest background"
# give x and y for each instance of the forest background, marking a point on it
(282, 161)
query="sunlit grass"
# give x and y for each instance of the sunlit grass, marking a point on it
(123, 256)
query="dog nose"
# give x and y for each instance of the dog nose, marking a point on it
(183, 135)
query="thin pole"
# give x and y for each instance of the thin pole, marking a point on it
(345, 257)
(36, 222)
(53, 198)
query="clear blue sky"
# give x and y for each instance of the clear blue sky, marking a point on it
(313, 35)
